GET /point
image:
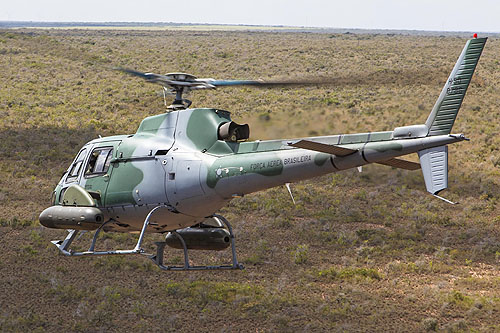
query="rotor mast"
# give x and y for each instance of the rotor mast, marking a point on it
(179, 103)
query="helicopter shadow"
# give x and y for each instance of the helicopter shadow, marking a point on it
(42, 152)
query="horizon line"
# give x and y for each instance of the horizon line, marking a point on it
(171, 23)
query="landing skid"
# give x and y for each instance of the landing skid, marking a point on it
(64, 247)
(158, 258)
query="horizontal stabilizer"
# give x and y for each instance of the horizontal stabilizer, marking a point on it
(434, 162)
(323, 148)
(401, 164)
(341, 151)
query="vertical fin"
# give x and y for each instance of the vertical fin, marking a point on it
(434, 163)
(444, 112)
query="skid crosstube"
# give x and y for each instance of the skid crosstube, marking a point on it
(158, 258)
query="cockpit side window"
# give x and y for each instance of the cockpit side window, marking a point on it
(75, 168)
(99, 161)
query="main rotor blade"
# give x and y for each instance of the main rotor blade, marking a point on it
(274, 83)
(151, 77)
(212, 83)
(381, 77)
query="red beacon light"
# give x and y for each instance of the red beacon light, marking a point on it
(475, 35)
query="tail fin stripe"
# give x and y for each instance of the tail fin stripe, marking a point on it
(469, 61)
(445, 114)
(471, 56)
(469, 67)
(454, 102)
(443, 122)
(474, 51)
(474, 48)
(452, 99)
(452, 105)
(445, 119)
(462, 76)
(463, 85)
(449, 110)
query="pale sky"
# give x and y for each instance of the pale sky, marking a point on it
(441, 15)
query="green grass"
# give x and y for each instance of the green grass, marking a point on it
(368, 251)
(349, 273)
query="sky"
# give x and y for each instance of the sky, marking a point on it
(439, 15)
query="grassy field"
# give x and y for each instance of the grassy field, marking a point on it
(368, 251)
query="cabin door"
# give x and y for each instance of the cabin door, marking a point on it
(183, 181)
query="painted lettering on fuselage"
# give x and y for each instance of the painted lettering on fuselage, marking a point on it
(297, 159)
(268, 164)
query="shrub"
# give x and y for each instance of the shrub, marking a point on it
(300, 254)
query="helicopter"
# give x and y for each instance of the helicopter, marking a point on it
(181, 167)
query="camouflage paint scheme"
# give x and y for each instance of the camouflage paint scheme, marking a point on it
(209, 172)
(176, 159)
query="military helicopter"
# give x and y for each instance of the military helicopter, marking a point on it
(182, 166)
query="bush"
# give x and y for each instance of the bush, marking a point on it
(300, 254)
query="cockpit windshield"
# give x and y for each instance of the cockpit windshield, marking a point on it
(74, 171)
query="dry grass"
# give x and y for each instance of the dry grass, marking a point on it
(359, 252)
